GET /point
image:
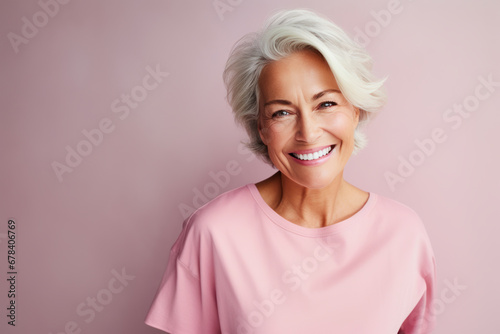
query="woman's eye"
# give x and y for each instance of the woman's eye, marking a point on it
(280, 113)
(328, 104)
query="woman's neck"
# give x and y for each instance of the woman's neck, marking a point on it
(312, 208)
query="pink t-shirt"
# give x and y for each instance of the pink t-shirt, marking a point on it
(240, 268)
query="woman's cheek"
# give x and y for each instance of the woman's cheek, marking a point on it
(342, 125)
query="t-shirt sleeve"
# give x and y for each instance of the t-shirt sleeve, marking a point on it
(185, 302)
(422, 318)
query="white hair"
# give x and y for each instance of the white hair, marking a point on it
(287, 32)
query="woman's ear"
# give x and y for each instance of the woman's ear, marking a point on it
(356, 116)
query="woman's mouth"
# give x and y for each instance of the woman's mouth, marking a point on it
(311, 156)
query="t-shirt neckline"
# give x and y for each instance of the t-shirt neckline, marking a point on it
(339, 227)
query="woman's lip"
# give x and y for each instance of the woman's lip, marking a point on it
(312, 150)
(314, 162)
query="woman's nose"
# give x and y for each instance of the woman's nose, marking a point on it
(308, 128)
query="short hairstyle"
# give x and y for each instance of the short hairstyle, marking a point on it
(287, 32)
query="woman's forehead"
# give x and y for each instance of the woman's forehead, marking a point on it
(303, 70)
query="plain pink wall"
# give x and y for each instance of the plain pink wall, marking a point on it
(119, 209)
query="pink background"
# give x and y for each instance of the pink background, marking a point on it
(120, 208)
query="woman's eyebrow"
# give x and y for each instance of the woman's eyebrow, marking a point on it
(320, 94)
(285, 102)
(315, 97)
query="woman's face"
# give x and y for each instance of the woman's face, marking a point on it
(305, 121)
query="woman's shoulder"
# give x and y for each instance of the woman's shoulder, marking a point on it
(212, 218)
(226, 206)
(397, 214)
(382, 208)
(394, 206)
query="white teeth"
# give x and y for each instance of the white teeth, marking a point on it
(313, 156)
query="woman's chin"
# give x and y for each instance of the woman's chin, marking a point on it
(315, 181)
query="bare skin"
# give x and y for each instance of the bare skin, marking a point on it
(302, 108)
(307, 208)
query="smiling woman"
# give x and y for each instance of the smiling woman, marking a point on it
(296, 124)
(303, 250)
